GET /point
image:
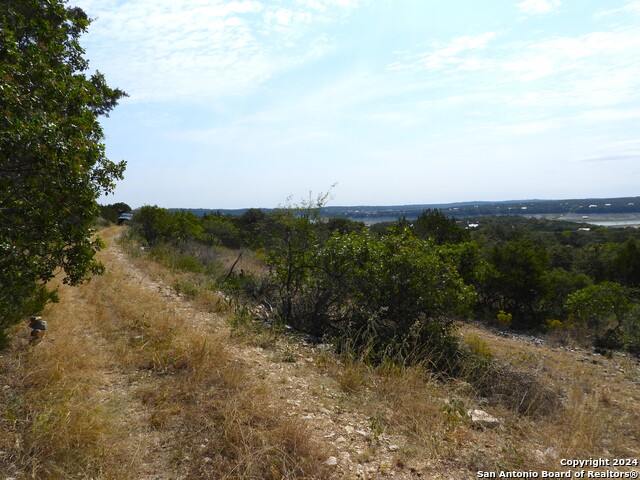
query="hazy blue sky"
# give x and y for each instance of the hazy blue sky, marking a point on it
(243, 103)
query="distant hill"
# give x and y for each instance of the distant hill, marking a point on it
(376, 214)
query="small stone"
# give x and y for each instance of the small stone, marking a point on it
(393, 448)
(332, 461)
(349, 429)
(208, 460)
(362, 433)
(481, 419)
(552, 453)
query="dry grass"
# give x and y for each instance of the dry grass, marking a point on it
(59, 419)
(249, 262)
(123, 387)
(590, 411)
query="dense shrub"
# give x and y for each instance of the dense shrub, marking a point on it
(390, 296)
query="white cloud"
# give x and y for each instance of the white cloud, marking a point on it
(594, 69)
(452, 54)
(529, 128)
(538, 6)
(531, 67)
(195, 50)
(631, 7)
(283, 16)
(609, 115)
(597, 69)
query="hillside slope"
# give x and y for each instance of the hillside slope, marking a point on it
(134, 380)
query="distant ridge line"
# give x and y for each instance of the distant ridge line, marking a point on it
(429, 205)
(578, 209)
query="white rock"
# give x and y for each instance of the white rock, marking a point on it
(332, 461)
(481, 419)
(393, 448)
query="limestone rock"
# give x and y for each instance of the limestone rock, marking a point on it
(332, 461)
(481, 419)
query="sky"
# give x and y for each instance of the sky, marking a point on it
(245, 103)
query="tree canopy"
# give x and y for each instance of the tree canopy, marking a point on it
(53, 165)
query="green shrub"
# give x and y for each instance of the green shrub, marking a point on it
(478, 347)
(186, 263)
(186, 288)
(632, 331)
(611, 339)
(504, 319)
(391, 296)
(552, 325)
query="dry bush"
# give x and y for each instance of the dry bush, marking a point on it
(599, 417)
(592, 413)
(550, 407)
(238, 436)
(250, 262)
(352, 377)
(414, 401)
(517, 389)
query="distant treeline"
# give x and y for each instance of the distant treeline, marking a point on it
(372, 214)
